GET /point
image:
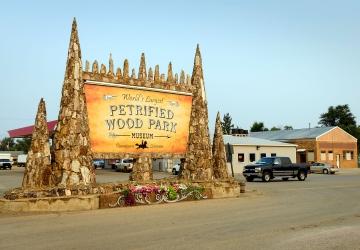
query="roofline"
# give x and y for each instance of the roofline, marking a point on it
(24, 132)
(273, 145)
(316, 138)
(301, 138)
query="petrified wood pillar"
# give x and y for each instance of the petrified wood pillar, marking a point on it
(38, 171)
(218, 151)
(142, 169)
(198, 161)
(73, 156)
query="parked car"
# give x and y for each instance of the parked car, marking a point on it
(176, 169)
(99, 163)
(268, 168)
(5, 163)
(124, 165)
(324, 168)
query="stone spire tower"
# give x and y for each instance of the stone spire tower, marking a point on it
(218, 151)
(142, 68)
(38, 171)
(73, 156)
(198, 161)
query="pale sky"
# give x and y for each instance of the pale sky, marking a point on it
(280, 62)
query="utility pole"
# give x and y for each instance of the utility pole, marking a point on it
(229, 154)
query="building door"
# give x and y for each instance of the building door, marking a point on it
(302, 157)
(338, 161)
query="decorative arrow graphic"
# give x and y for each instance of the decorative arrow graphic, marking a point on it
(164, 136)
(108, 97)
(115, 135)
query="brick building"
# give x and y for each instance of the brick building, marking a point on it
(325, 144)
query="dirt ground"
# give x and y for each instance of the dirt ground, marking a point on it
(321, 213)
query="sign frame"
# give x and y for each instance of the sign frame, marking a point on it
(116, 155)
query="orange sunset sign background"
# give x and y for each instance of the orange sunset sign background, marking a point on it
(131, 120)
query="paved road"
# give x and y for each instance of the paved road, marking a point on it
(321, 213)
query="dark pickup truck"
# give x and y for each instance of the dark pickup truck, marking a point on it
(268, 168)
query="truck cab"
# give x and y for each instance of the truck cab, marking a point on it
(268, 168)
(5, 163)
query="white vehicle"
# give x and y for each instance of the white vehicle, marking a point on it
(124, 165)
(6, 156)
(21, 160)
(176, 169)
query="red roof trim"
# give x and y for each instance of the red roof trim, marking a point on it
(27, 131)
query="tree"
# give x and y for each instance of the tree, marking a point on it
(337, 116)
(288, 127)
(258, 126)
(23, 145)
(7, 144)
(340, 116)
(227, 124)
(275, 128)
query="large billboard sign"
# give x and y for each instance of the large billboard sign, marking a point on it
(128, 119)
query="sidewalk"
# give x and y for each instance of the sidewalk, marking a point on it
(349, 171)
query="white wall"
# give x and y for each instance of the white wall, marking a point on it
(268, 150)
(164, 164)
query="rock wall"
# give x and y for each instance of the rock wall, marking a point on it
(38, 172)
(198, 161)
(218, 151)
(73, 156)
(142, 169)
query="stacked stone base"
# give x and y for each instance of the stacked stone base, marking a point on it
(50, 204)
(102, 196)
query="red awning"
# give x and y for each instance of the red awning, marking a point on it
(27, 131)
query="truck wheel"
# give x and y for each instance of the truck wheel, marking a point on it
(249, 178)
(285, 178)
(266, 177)
(301, 176)
(325, 171)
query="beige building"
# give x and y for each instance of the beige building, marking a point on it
(248, 149)
(324, 144)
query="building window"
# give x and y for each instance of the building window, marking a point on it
(330, 155)
(262, 155)
(310, 156)
(323, 155)
(252, 157)
(241, 157)
(273, 154)
(348, 155)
